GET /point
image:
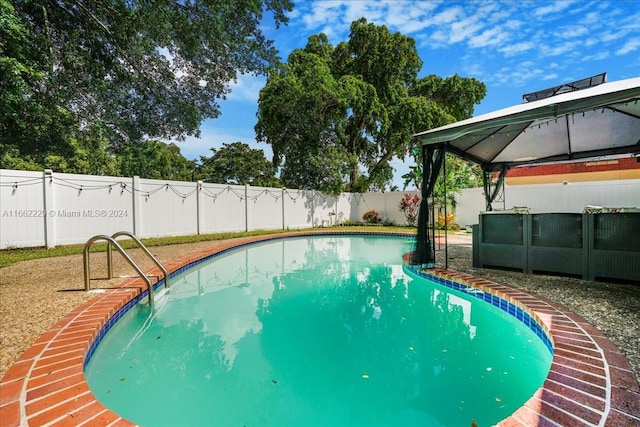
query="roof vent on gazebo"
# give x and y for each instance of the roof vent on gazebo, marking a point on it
(566, 87)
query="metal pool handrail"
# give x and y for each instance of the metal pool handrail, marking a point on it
(143, 247)
(124, 254)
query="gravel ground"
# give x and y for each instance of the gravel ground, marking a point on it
(35, 294)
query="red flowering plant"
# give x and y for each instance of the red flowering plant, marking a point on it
(409, 205)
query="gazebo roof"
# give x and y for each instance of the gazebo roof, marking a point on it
(598, 121)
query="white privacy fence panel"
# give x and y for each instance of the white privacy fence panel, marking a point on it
(84, 206)
(49, 209)
(386, 204)
(323, 208)
(298, 211)
(264, 208)
(365, 202)
(222, 208)
(572, 197)
(343, 208)
(470, 202)
(167, 208)
(22, 209)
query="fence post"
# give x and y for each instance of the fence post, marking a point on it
(198, 207)
(283, 221)
(527, 242)
(591, 239)
(135, 205)
(246, 207)
(49, 217)
(313, 208)
(587, 239)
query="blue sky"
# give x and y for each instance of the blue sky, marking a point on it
(514, 47)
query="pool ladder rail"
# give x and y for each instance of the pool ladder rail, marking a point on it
(111, 242)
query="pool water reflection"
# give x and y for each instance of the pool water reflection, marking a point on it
(316, 331)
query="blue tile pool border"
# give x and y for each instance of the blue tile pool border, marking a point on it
(512, 309)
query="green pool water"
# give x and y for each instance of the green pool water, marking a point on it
(322, 331)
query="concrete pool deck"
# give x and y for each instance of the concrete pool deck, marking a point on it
(591, 382)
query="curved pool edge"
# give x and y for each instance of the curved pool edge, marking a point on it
(590, 381)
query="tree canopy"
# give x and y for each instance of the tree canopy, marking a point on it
(336, 116)
(237, 163)
(155, 160)
(127, 71)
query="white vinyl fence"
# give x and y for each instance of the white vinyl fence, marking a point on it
(50, 209)
(569, 197)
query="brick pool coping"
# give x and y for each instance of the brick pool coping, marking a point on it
(590, 383)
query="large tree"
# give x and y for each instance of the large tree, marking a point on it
(135, 69)
(237, 163)
(336, 116)
(155, 160)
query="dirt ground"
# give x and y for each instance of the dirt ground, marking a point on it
(35, 294)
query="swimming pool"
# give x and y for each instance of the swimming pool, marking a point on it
(316, 331)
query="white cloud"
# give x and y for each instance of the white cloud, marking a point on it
(630, 46)
(519, 76)
(553, 8)
(516, 48)
(561, 49)
(439, 37)
(246, 88)
(612, 36)
(572, 31)
(409, 18)
(513, 24)
(591, 18)
(490, 10)
(491, 37)
(373, 11)
(464, 29)
(591, 41)
(598, 56)
(447, 16)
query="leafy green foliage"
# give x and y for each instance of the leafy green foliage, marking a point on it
(155, 160)
(456, 175)
(298, 108)
(456, 95)
(237, 163)
(127, 70)
(336, 116)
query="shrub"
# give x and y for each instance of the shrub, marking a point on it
(409, 205)
(371, 217)
(447, 223)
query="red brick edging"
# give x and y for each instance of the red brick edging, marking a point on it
(590, 384)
